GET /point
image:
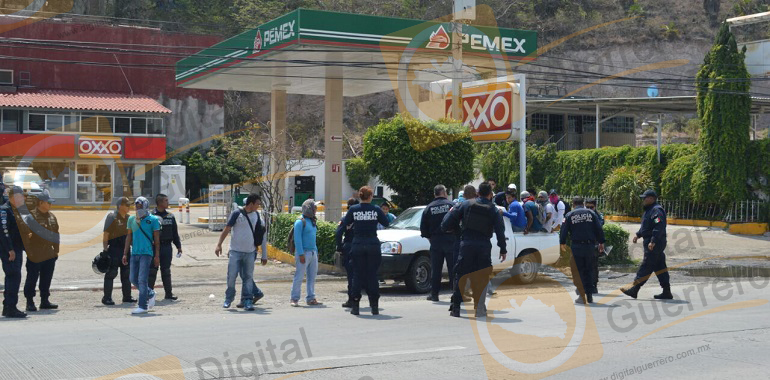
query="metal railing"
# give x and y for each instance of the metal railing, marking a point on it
(751, 211)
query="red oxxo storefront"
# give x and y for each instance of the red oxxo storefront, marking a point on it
(82, 147)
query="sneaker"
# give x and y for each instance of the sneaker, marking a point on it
(227, 304)
(580, 300)
(294, 303)
(248, 306)
(239, 305)
(139, 310)
(151, 302)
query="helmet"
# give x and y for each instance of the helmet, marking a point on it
(101, 263)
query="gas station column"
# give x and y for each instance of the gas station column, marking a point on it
(333, 103)
(278, 133)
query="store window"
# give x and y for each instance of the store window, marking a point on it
(123, 125)
(105, 124)
(88, 124)
(72, 123)
(54, 122)
(94, 183)
(155, 126)
(55, 177)
(139, 126)
(11, 119)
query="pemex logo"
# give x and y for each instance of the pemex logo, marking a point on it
(258, 41)
(438, 39)
(535, 331)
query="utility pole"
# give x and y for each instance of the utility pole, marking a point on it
(457, 72)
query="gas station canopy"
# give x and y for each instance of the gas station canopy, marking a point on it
(296, 51)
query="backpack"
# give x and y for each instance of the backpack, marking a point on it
(567, 206)
(290, 239)
(258, 233)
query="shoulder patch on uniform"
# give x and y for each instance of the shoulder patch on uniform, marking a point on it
(656, 219)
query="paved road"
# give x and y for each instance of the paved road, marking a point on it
(412, 338)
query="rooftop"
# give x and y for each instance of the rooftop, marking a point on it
(82, 101)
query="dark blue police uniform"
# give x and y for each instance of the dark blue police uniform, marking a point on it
(653, 230)
(586, 231)
(169, 233)
(10, 238)
(344, 240)
(365, 251)
(480, 219)
(442, 244)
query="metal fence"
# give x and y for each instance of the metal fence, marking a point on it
(753, 211)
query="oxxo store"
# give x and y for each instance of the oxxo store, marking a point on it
(83, 148)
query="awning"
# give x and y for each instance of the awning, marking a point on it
(82, 101)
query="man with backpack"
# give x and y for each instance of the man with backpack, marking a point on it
(561, 208)
(248, 232)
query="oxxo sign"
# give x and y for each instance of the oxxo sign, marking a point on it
(100, 147)
(488, 111)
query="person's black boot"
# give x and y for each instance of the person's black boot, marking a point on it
(454, 310)
(107, 302)
(589, 298)
(348, 303)
(433, 298)
(47, 305)
(31, 305)
(13, 312)
(666, 295)
(354, 307)
(129, 300)
(375, 306)
(632, 291)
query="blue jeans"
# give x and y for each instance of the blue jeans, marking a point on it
(241, 263)
(311, 268)
(140, 270)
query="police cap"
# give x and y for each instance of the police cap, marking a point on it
(649, 193)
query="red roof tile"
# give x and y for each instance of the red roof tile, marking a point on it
(81, 100)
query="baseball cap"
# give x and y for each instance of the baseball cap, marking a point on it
(553, 192)
(16, 190)
(45, 197)
(649, 193)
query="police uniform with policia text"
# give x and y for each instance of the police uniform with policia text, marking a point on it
(585, 231)
(11, 242)
(366, 252)
(442, 244)
(653, 235)
(480, 219)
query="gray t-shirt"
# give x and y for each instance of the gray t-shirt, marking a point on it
(242, 239)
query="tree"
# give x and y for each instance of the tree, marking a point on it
(357, 172)
(724, 108)
(253, 150)
(413, 156)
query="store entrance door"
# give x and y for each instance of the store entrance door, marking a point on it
(94, 183)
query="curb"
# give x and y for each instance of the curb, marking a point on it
(752, 229)
(287, 258)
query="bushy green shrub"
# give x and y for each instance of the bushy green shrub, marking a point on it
(357, 172)
(617, 237)
(413, 156)
(279, 233)
(677, 179)
(623, 187)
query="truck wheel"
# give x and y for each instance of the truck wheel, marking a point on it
(418, 276)
(525, 268)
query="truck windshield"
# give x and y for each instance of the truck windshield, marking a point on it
(408, 220)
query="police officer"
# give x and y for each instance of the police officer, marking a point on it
(344, 240)
(653, 234)
(169, 233)
(591, 205)
(441, 243)
(113, 243)
(365, 249)
(480, 218)
(42, 252)
(11, 252)
(583, 226)
(469, 193)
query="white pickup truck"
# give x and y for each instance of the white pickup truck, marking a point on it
(406, 255)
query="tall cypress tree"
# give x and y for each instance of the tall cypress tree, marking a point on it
(724, 107)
